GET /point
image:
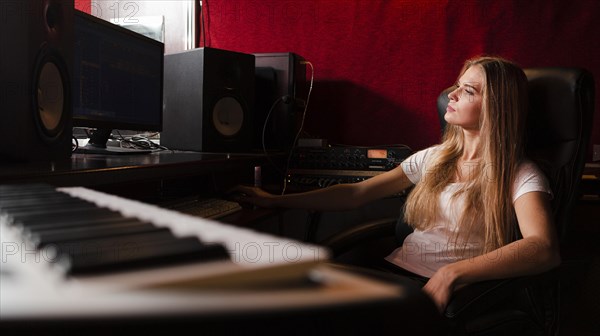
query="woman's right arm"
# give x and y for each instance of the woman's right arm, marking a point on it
(334, 198)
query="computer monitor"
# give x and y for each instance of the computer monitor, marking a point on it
(117, 81)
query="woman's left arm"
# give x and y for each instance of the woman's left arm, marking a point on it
(536, 252)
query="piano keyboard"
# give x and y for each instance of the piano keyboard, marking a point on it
(84, 237)
(74, 254)
(88, 237)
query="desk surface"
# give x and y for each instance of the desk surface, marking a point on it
(92, 169)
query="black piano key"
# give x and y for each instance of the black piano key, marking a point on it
(32, 208)
(76, 223)
(97, 215)
(177, 251)
(39, 216)
(16, 199)
(26, 196)
(25, 189)
(112, 245)
(51, 209)
(24, 186)
(17, 206)
(123, 228)
(9, 198)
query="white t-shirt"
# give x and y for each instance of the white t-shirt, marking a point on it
(425, 251)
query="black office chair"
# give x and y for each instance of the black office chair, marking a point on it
(558, 130)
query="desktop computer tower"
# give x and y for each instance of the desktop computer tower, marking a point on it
(281, 93)
(36, 39)
(208, 101)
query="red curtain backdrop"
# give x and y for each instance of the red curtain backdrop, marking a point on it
(83, 5)
(379, 65)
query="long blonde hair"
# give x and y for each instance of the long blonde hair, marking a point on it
(488, 190)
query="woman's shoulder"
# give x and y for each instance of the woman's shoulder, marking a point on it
(527, 166)
(423, 154)
(416, 164)
(530, 177)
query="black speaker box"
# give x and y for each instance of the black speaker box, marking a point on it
(281, 92)
(36, 39)
(208, 101)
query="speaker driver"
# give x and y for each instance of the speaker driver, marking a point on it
(50, 97)
(228, 116)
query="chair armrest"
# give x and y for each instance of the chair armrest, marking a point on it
(476, 298)
(348, 239)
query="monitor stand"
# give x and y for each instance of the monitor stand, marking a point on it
(97, 145)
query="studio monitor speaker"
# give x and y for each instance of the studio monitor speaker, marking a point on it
(36, 39)
(208, 101)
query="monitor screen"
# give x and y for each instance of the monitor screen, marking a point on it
(117, 77)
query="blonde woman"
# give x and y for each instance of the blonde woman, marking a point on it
(480, 210)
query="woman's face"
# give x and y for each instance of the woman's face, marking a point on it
(464, 107)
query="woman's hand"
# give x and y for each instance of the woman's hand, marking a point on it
(441, 286)
(253, 195)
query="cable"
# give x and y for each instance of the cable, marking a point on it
(138, 142)
(287, 165)
(201, 28)
(198, 26)
(264, 129)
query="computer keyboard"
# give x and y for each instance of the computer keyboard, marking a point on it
(212, 208)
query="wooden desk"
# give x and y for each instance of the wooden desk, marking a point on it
(151, 178)
(92, 170)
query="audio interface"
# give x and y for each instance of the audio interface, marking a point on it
(320, 167)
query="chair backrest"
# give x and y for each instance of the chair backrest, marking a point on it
(558, 130)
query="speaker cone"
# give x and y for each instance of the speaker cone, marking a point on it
(228, 116)
(50, 96)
